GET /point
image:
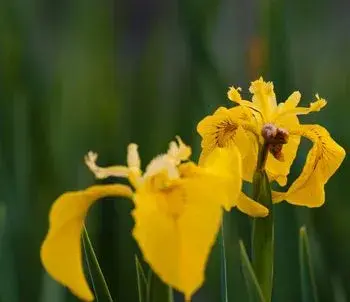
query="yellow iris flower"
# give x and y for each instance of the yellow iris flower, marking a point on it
(178, 212)
(261, 123)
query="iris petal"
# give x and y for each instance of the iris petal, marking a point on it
(226, 168)
(61, 250)
(177, 246)
(322, 161)
(228, 128)
(250, 207)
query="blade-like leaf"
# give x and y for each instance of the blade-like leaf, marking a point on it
(2, 223)
(141, 280)
(253, 287)
(223, 264)
(156, 290)
(95, 270)
(308, 285)
(170, 294)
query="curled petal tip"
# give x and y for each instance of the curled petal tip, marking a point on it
(234, 94)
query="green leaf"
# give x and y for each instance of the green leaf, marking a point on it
(263, 236)
(170, 294)
(308, 285)
(99, 284)
(141, 280)
(157, 290)
(223, 264)
(254, 291)
(2, 223)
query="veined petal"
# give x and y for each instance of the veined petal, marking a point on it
(176, 244)
(61, 250)
(227, 128)
(234, 95)
(250, 207)
(322, 161)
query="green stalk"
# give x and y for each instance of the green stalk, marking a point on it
(170, 294)
(308, 284)
(89, 246)
(263, 229)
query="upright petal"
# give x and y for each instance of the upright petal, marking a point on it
(176, 244)
(133, 157)
(279, 170)
(264, 97)
(61, 249)
(322, 161)
(290, 104)
(234, 95)
(288, 108)
(104, 172)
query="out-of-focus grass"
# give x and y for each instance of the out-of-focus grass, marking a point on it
(97, 75)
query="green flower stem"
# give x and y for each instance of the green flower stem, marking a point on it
(89, 246)
(170, 294)
(263, 229)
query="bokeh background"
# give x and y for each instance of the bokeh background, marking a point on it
(98, 74)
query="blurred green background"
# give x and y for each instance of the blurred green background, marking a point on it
(99, 74)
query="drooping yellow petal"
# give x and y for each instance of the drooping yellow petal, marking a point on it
(176, 228)
(226, 167)
(250, 207)
(247, 144)
(322, 161)
(61, 249)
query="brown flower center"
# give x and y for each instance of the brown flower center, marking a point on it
(275, 138)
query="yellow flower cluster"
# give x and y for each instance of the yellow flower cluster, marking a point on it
(244, 127)
(178, 204)
(178, 212)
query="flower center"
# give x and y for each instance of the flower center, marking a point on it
(275, 138)
(169, 195)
